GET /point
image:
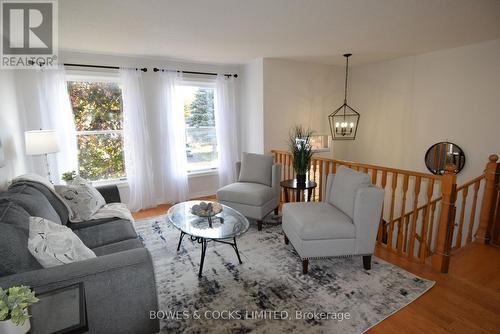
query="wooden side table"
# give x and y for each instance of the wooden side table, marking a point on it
(298, 188)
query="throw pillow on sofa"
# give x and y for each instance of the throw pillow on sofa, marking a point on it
(83, 199)
(53, 244)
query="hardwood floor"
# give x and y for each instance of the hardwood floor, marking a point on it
(466, 300)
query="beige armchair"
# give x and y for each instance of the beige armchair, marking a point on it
(257, 191)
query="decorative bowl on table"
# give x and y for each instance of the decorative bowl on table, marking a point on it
(207, 210)
(204, 209)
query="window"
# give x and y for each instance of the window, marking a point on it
(97, 109)
(320, 143)
(201, 139)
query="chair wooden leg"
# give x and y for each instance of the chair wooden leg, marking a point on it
(305, 266)
(367, 262)
(277, 210)
(259, 225)
(286, 240)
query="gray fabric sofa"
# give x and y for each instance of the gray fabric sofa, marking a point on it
(119, 283)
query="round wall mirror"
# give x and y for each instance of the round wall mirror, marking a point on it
(443, 153)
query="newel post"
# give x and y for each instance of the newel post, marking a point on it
(441, 258)
(489, 197)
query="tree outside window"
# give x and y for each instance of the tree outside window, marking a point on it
(201, 140)
(98, 113)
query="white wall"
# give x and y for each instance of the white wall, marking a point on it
(11, 133)
(408, 104)
(252, 107)
(298, 93)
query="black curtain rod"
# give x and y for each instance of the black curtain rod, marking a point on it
(144, 69)
(201, 73)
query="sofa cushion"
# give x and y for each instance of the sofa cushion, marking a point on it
(118, 247)
(255, 194)
(33, 201)
(56, 203)
(83, 199)
(55, 244)
(318, 221)
(91, 222)
(256, 168)
(14, 228)
(104, 234)
(346, 183)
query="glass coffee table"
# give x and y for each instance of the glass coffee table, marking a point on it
(224, 227)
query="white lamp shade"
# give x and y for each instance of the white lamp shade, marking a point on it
(41, 142)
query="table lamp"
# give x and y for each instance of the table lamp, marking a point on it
(41, 142)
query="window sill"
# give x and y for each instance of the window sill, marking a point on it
(204, 172)
(115, 182)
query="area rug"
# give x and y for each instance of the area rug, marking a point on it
(268, 292)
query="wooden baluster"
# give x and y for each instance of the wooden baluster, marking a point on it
(406, 238)
(458, 243)
(321, 181)
(381, 225)
(431, 228)
(489, 199)
(286, 167)
(472, 218)
(374, 176)
(334, 167)
(441, 257)
(315, 163)
(394, 184)
(401, 226)
(425, 223)
(413, 225)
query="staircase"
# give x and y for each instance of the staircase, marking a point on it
(419, 219)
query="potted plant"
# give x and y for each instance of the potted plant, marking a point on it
(301, 149)
(14, 304)
(68, 176)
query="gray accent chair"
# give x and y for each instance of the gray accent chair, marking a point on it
(119, 283)
(257, 191)
(344, 224)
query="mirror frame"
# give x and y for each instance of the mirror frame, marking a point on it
(458, 170)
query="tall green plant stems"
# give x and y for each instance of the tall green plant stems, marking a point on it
(300, 148)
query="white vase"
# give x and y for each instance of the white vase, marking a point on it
(8, 327)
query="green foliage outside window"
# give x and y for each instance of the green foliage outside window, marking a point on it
(201, 110)
(97, 109)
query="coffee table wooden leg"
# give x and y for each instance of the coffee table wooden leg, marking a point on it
(297, 195)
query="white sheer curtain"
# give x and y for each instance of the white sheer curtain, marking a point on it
(55, 113)
(226, 128)
(172, 178)
(136, 142)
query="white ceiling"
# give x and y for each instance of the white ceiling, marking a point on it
(237, 31)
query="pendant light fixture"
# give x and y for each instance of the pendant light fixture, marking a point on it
(344, 120)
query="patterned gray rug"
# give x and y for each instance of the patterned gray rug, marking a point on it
(268, 293)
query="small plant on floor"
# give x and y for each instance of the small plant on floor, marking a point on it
(301, 149)
(69, 176)
(14, 304)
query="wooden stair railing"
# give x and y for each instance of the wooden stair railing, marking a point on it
(418, 218)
